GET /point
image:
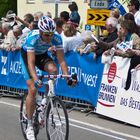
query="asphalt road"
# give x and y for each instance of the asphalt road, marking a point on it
(82, 127)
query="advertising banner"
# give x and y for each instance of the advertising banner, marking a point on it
(89, 73)
(113, 100)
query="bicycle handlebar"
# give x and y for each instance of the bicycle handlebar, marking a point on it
(51, 76)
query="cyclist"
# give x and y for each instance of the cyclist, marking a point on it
(34, 53)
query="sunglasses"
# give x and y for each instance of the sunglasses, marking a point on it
(49, 34)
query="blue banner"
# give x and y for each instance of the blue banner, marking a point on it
(89, 73)
(10, 70)
(116, 4)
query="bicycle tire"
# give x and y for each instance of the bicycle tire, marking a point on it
(23, 119)
(55, 121)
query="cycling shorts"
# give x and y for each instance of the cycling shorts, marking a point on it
(40, 61)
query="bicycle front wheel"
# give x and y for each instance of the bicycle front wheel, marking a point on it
(57, 123)
(23, 119)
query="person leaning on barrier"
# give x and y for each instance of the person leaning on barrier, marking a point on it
(87, 40)
(17, 32)
(32, 26)
(8, 36)
(71, 37)
(126, 32)
(28, 18)
(130, 40)
(111, 27)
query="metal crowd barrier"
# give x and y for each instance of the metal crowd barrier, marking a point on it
(71, 103)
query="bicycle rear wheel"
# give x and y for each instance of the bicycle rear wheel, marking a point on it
(57, 123)
(23, 119)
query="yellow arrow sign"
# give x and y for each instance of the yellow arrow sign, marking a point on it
(97, 17)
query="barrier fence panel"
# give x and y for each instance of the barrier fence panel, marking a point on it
(89, 75)
(114, 101)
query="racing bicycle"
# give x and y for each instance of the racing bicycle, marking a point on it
(56, 116)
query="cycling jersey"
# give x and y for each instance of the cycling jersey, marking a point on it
(34, 43)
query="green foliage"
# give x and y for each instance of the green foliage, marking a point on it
(6, 5)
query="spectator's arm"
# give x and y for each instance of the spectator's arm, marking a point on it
(22, 21)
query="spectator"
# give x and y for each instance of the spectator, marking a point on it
(49, 14)
(38, 15)
(59, 23)
(11, 18)
(115, 13)
(129, 40)
(87, 43)
(130, 16)
(71, 41)
(6, 29)
(64, 16)
(1, 33)
(126, 35)
(28, 18)
(74, 15)
(111, 27)
(17, 31)
(33, 25)
(133, 7)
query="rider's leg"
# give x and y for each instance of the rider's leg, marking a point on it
(30, 99)
(30, 107)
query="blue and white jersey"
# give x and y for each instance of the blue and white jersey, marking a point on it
(34, 43)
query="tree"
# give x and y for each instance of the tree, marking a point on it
(6, 5)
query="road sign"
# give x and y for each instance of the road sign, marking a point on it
(99, 4)
(88, 27)
(97, 17)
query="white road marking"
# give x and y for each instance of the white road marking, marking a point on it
(98, 132)
(87, 124)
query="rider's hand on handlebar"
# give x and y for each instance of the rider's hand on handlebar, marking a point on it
(73, 80)
(38, 83)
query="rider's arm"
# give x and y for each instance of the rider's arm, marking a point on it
(61, 60)
(31, 64)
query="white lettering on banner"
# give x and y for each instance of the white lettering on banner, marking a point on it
(15, 67)
(88, 79)
(4, 61)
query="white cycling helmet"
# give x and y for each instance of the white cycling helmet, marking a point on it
(46, 24)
